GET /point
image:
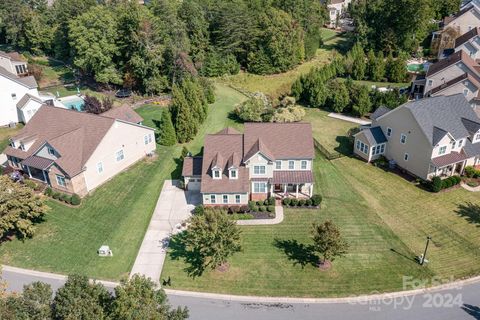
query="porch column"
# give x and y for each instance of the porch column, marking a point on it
(28, 170)
(463, 167)
(296, 194)
(271, 190)
(285, 190)
(310, 191)
(44, 176)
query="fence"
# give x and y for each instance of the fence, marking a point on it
(329, 155)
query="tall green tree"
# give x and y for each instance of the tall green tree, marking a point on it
(185, 123)
(79, 299)
(93, 38)
(359, 66)
(339, 97)
(378, 68)
(397, 69)
(193, 16)
(20, 209)
(138, 298)
(361, 103)
(213, 238)
(166, 135)
(328, 241)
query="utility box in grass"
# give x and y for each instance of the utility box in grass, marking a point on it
(105, 251)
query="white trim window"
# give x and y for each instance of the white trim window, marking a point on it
(61, 180)
(50, 151)
(225, 198)
(213, 199)
(460, 143)
(389, 132)
(291, 165)
(237, 198)
(430, 82)
(259, 187)
(119, 155)
(443, 149)
(303, 165)
(405, 157)
(233, 174)
(150, 138)
(278, 164)
(258, 170)
(477, 137)
(379, 149)
(403, 138)
(362, 147)
(216, 174)
(145, 139)
(100, 167)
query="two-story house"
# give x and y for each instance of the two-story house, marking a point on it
(75, 152)
(458, 73)
(268, 159)
(435, 136)
(336, 8)
(454, 26)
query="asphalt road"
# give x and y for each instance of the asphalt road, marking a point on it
(458, 303)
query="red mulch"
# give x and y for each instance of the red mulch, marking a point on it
(324, 266)
(224, 267)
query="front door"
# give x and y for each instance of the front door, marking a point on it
(277, 188)
(458, 167)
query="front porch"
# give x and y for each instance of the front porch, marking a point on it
(448, 165)
(299, 191)
(36, 168)
(298, 184)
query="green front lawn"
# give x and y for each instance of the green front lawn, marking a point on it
(116, 214)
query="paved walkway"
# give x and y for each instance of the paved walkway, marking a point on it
(258, 222)
(467, 187)
(349, 119)
(173, 206)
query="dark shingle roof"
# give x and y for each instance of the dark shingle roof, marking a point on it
(466, 36)
(28, 82)
(379, 112)
(442, 113)
(192, 166)
(374, 135)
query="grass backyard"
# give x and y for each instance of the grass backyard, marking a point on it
(116, 214)
(6, 133)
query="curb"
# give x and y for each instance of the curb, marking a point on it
(351, 300)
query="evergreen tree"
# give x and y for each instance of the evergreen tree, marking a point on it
(378, 68)
(339, 97)
(361, 104)
(185, 123)
(166, 136)
(398, 69)
(359, 65)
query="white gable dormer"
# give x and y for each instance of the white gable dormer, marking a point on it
(47, 151)
(216, 173)
(233, 173)
(476, 137)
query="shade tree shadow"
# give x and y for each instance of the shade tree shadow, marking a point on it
(179, 251)
(345, 145)
(299, 253)
(469, 211)
(474, 311)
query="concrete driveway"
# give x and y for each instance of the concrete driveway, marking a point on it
(173, 206)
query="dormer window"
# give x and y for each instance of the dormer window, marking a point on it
(51, 151)
(477, 137)
(460, 143)
(442, 150)
(216, 174)
(233, 174)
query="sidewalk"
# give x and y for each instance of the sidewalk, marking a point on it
(173, 206)
(349, 119)
(467, 187)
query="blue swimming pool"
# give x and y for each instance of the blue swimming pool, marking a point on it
(74, 103)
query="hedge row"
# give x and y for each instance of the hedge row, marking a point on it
(315, 201)
(74, 199)
(438, 184)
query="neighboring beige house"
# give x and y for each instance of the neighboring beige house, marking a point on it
(335, 10)
(268, 159)
(435, 136)
(76, 152)
(458, 73)
(452, 27)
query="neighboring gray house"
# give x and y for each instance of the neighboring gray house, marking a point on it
(435, 136)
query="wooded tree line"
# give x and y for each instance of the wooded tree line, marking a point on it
(332, 86)
(398, 25)
(136, 298)
(150, 47)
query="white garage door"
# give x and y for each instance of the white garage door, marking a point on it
(194, 184)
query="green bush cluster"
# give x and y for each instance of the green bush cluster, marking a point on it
(471, 172)
(315, 200)
(438, 184)
(73, 199)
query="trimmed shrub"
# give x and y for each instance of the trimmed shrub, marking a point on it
(65, 197)
(259, 203)
(75, 200)
(56, 195)
(48, 192)
(271, 201)
(262, 208)
(266, 202)
(234, 209)
(199, 210)
(308, 202)
(244, 209)
(446, 183)
(457, 179)
(251, 204)
(271, 209)
(470, 171)
(294, 202)
(316, 199)
(302, 202)
(286, 201)
(437, 184)
(254, 209)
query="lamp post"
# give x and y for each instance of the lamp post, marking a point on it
(425, 252)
